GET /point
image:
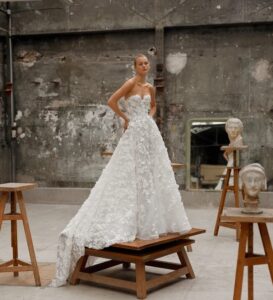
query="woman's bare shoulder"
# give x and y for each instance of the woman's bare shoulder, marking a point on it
(151, 88)
(128, 85)
(130, 81)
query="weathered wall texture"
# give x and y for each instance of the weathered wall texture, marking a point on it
(221, 73)
(93, 15)
(4, 145)
(4, 148)
(62, 82)
(61, 95)
(3, 20)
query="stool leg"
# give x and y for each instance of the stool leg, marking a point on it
(250, 268)
(3, 201)
(14, 238)
(240, 263)
(222, 202)
(141, 280)
(267, 247)
(79, 267)
(29, 239)
(236, 196)
(185, 262)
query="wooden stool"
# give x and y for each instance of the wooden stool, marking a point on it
(141, 253)
(16, 265)
(228, 187)
(249, 258)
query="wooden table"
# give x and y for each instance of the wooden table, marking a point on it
(249, 258)
(16, 265)
(142, 253)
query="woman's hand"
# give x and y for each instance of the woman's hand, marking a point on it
(126, 124)
(118, 94)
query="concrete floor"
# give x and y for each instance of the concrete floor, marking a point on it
(213, 260)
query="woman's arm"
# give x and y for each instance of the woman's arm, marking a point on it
(153, 101)
(121, 92)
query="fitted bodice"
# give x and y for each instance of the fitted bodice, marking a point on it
(136, 106)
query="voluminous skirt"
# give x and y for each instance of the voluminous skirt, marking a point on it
(136, 196)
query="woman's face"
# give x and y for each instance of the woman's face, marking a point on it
(142, 65)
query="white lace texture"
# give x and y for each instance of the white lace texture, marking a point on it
(136, 195)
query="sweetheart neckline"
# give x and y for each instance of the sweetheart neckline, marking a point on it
(138, 96)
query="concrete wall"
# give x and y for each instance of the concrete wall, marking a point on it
(4, 145)
(93, 15)
(61, 96)
(223, 72)
(62, 82)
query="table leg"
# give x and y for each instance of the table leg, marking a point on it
(3, 200)
(141, 280)
(240, 262)
(29, 239)
(14, 238)
(222, 201)
(236, 194)
(267, 247)
(250, 268)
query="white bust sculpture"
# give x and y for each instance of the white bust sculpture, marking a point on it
(234, 128)
(253, 180)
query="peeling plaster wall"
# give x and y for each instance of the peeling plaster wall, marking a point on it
(62, 82)
(61, 94)
(77, 15)
(4, 147)
(228, 73)
(3, 19)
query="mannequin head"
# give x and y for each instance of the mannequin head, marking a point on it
(253, 179)
(234, 128)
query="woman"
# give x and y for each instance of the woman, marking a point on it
(136, 195)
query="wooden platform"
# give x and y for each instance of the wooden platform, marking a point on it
(141, 253)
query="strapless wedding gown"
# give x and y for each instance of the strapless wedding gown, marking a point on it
(136, 195)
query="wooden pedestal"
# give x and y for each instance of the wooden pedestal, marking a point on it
(141, 253)
(229, 187)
